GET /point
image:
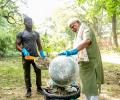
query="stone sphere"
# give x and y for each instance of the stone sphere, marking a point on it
(62, 70)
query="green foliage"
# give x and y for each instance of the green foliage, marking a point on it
(9, 11)
(53, 43)
(80, 1)
(7, 30)
(5, 41)
(70, 36)
(110, 6)
(117, 50)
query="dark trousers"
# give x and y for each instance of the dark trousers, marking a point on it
(26, 67)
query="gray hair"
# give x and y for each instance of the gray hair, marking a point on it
(72, 20)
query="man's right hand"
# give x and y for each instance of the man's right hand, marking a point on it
(25, 52)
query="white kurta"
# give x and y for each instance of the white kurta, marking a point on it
(82, 54)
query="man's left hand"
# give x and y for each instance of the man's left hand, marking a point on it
(42, 54)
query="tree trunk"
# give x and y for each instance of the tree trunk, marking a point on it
(114, 34)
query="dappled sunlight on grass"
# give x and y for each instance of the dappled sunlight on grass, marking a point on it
(111, 87)
(111, 58)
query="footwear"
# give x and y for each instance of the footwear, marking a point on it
(39, 90)
(28, 94)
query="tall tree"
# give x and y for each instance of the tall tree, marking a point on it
(112, 8)
(10, 20)
(10, 11)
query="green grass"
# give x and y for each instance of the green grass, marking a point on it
(108, 66)
(11, 73)
(111, 51)
(12, 79)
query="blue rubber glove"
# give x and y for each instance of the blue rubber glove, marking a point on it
(42, 54)
(69, 52)
(25, 52)
(62, 53)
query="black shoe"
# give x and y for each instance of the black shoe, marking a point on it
(39, 90)
(28, 94)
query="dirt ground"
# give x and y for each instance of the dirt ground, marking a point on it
(111, 88)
